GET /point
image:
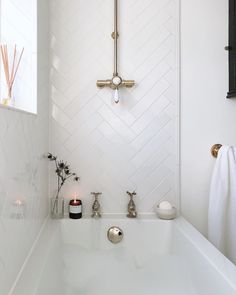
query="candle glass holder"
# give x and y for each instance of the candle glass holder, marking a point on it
(57, 208)
(75, 209)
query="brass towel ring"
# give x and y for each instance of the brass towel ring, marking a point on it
(215, 149)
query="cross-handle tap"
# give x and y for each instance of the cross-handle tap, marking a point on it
(132, 213)
(96, 208)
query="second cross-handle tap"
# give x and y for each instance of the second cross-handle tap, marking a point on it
(132, 213)
(96, 208)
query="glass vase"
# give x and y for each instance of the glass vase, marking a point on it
(57, 208)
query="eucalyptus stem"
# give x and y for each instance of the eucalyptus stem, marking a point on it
(63, 174)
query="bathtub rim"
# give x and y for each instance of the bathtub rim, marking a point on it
(215, 258)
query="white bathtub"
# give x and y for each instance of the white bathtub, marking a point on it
(74, 257)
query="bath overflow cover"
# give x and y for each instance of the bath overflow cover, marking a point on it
(115, 234)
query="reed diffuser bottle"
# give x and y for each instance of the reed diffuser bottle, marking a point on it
(10, 71)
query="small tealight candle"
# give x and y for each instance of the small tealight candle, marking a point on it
(75, 208)
(18, 209)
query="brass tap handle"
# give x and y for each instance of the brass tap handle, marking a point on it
(131, 194)
(96, 195)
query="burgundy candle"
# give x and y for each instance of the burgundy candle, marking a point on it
(75, 209)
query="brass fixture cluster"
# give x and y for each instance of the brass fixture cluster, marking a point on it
(116, 81)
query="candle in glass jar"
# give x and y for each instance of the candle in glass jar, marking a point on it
(75, 209)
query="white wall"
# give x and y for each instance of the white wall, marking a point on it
(132, 145)
(207, 117)
(24, 171)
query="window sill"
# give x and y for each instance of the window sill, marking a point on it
(14, 109)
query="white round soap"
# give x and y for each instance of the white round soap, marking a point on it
(165, 205)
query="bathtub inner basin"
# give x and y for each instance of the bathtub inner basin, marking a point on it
(154, 257)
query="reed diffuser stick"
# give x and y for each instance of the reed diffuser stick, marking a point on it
(17, 67)
(4, 64)
(13, 65)
(7, 63)
(10, 74)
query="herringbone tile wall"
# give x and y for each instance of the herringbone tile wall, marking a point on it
(132, 145)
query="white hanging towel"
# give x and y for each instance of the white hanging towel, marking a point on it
(222, 203)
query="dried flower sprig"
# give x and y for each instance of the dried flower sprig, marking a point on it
(10, 73)
(63, 172)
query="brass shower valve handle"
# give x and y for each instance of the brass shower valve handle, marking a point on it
(103, 83)
(128, 83)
